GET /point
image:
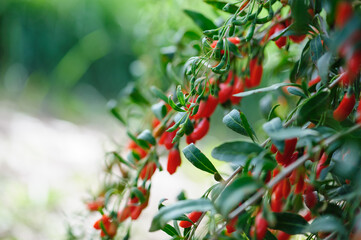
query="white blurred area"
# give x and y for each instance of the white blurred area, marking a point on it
(49, 166)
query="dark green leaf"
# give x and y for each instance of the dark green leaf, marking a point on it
(302, 65)
(290, 223)
(168, 229)
(269, 236)
(291, 132)
(266, 89)
(112, 106)
(313, 107)
(326, 223)
(180, 96)
(272, 114)
(176, 210)
(199, 19)
(236, 192)
(231, 8)
(316, 49)
(158, 93)
(247, 126)
(174, 106)
(323, 65)
(236, 152)
(159, 110)
(234, 122)
(198, 159)
(122, 160)
(147, 136)
(139, 194)
(296, 91)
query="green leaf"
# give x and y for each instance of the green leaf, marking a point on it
(313, 107)
(323, 65)
(316, 49)
(143, 144)
(291, 132)
(236, 152)
(112, 106)
(159, 110)
(198, 159)
(174, 106)
(272, 114)
(199, 19)
(168, 229)
(176, 210)
(158, 93)
(137, 193)
(302, 65)
(180, 95)
(224, 6)
(233, 121)
(296, 92)
(122, 160)
(236, 192)
(266, 89)
(269, 236)
(247, 126)
(301, 17)
(290, 223)
(147, 136)
(327, 223)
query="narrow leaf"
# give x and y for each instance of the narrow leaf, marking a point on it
(266, 89)
(290, 223)
(236, 152)
(203, 22)
(198, 159)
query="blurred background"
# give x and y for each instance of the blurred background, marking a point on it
(60, 64)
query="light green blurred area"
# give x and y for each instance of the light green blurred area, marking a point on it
(64, 59)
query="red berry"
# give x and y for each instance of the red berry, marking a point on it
(148, 170)
(314, 81)
(344, 12)
(231, 225)
(238, 87)
(358, 113)
(193, 216)
(225, 92)
(310, 199)
(297, 38)
(201, 130)
(345, 107)
(256, 71)
(174, 160)
(261, 226)
(321, 165)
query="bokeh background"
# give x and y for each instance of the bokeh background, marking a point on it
(61, 62)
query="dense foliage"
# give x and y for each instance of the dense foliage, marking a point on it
(303, 178)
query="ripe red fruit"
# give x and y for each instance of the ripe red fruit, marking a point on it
(276, 203)
(286, 188)
(297, 38)
(137, 149)
(135, 208)
(256, 71)
(96, 204)
(201, 130)
(280, 42)
(225, 92)
(345, 107)
(354, 63)
(321, 165)
(314, 81)
(300, 185)
(124, 214)
(174, 160)
(238, 87)
(231, 225)
(206, 108)
(283, 236)
(193, 216)
(261, 226)
(344, 12)
(148, 170)
(273, 149)
(285, 157)
(109, 225)
(310, 197)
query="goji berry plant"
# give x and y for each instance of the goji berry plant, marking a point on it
(301, 174)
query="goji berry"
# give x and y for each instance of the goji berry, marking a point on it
(174, 160)
(193, 216)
